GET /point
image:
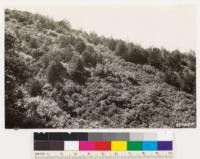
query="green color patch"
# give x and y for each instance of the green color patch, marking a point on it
(134, 145)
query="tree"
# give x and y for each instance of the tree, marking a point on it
(55, 72)
(80, 45)
(154, 58)
(171, 77)
(136, 54)
(188, 80)
(77, 71)
(121, 49)
(63, 26)
(174, 60)
(90, 57)
(33, 43)
(191, 60)
(111, 44)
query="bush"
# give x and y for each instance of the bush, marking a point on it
(65, 40)
(111, 43)
(37, 53)
(55, 72)
(62, 54)
(149, 69)
(174, 60)
(45, 23)
(172, 78)
(77, 70)
(90, 57)
(99, 71)
(67, 53)
(52, 33)
(188, 81)
(7, 18)
(93, 38)
(57, 54)
(19, 16)
(35, 87)
(70, 88)
(33, 43)
(10, 41)
(136, 54)
(80, 45)
(63, 26)
(191, 60)
(121, 49)
(154, 58)
(76, 63)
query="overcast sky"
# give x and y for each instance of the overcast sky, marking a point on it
(168, 26)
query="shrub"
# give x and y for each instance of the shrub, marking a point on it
(52, 33)
(99, 71)
(37, 53)
(10, 41)
(63, 26)
(77, 70)
(93, 38)
(67, 53)
(191, 60)
(55, 72)
(80, 45)
(34, 87)
(172, 78)
(154, 58)
(45, 23)
(136, 54)
(121, 49)
(19, 16)
(111, 43)
(77, 63)
(7, 18)
(149, 69)
(34, 43)
(63, 41)
(70, 87)
(57, 54)
(188, 81)
(90, 57)
(174, 60)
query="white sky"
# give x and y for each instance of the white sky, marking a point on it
(168, 26)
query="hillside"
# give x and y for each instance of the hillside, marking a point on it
(59, 77)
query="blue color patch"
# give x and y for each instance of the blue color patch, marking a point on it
(150, 145)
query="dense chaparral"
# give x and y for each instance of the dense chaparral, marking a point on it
(60, 77)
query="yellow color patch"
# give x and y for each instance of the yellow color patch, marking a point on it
(119, 145)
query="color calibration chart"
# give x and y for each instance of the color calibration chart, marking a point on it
(137, 145)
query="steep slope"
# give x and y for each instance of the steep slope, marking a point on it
(72, 79)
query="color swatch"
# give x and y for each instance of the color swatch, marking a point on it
(118, 145)
(103, 142)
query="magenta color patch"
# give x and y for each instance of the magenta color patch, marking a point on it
(87, 145)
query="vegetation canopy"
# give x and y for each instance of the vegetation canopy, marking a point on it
(60, 77)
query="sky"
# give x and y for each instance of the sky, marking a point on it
(169, 26)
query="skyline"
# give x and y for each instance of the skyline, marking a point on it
(168, 26)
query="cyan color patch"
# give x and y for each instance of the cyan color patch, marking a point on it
(150, 145)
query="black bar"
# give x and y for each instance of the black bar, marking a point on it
(68, 137)
(41, 136)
